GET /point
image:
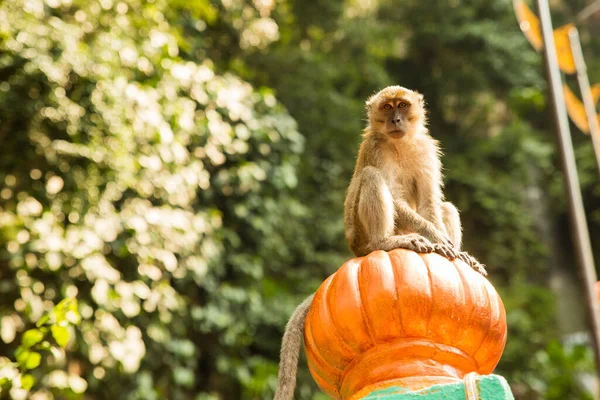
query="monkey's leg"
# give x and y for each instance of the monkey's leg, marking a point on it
(453, 226)
(472, 262)
(452, 223)
(407, 219)
(290, 351)
(376, 215)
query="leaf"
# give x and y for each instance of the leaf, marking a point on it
(33, 361)
(45, 345)
(60, 334)
(45, 318)
(27, 381)
(66, 312)
(31, 338)
(28, 359)
(5, 383)
(22, 355)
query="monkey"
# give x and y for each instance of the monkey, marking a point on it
(394, 200)
(395, 197)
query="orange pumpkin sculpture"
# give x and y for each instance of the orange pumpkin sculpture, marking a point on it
(403, 319)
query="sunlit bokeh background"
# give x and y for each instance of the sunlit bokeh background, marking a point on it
(178, 169)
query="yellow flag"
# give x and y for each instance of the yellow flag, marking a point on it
(563, 49)
(530, 26)
(576, 109)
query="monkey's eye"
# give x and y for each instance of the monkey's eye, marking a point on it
(403, 104)
(387, 107)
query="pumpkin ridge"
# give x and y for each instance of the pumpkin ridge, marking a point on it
(468, 300)
(396, 313)
(432, 296)
(489, 323)
(403, 262)
(363, 311)
(458, 308)
(452, 310)
(497, 313)
(333, 327)
(329, 293)
(327, 387)
(465, 287)
(317, 358)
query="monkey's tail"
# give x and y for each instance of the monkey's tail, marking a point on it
(290, 351)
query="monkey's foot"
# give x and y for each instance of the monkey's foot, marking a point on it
(417, 243)
(472, 262)
(445, 250)
(451, 254)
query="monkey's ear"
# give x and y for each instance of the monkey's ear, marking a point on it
(369, 103)
(421, 98)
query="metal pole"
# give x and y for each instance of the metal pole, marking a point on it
(579, 229)
(586, 91)
(588, 11)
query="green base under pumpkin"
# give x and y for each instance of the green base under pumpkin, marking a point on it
(489, 387)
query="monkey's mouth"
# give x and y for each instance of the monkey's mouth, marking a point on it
(396, 133)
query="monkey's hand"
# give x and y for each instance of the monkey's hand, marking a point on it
(472, 262)
(446, 250)
(447, 242)
(438, 237)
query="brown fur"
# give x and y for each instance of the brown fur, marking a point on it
(395, 200)
(396, 190)
(290, 350)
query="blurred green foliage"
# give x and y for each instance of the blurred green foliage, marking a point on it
(53, 331)
(179, 167)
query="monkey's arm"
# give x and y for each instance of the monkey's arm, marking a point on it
(406, 219)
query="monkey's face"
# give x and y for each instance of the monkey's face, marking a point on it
(396, 112)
